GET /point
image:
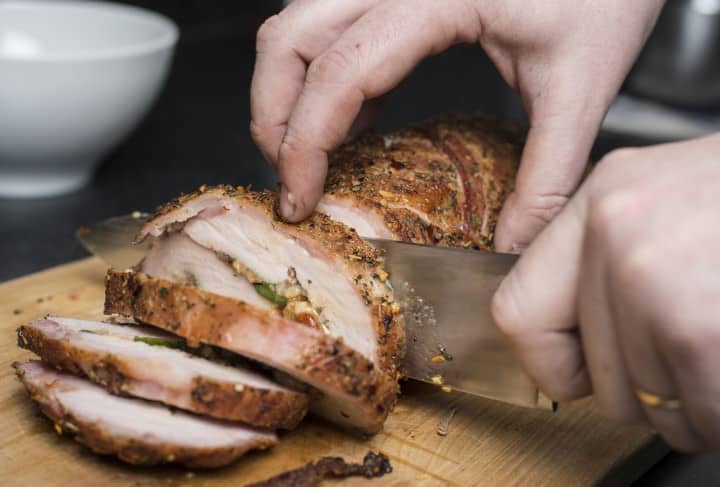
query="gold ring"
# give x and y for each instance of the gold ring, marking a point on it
(654, 401)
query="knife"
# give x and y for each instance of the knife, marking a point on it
(445, 294)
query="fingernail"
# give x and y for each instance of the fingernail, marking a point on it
(287, 203)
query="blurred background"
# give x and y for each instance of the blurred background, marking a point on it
(197, 131)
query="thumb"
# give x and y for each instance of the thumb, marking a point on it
(563, 126)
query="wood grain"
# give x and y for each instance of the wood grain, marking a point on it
(488, 443)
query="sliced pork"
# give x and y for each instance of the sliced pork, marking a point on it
(177, 258)
(127, 360)
(137, 431)
(440, 183)
(354, 391)
(318, 272)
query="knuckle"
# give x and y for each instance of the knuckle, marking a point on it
(612, 168)
(608, 212)
(637, 267)
(265, 138)
(269, 32)
(329, 66)
(291, 147)
(257, 132)
(618, 157)
(543, 207)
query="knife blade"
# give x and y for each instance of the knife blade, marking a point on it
(112, 239)
(445, 295)
(452, 338)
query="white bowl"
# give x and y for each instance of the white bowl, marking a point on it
(76, 77)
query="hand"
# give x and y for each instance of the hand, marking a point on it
(622, 292)
(320, 61)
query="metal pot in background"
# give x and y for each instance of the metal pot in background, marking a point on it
(680, 64)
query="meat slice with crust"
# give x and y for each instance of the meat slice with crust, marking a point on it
(353, 390)
(138, 432)
(176, 257)
(123, 359)
(318, 272)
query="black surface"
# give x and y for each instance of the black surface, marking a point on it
(198, 133)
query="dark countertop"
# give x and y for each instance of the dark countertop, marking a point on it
(198, 133)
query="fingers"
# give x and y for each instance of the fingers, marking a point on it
(684, 314)
(536, 307)
(564, 121)
(369, 59)
(286, 43)
(690, 338)
(627, 247)
(645, 357)
(694, 371)
(612, 387)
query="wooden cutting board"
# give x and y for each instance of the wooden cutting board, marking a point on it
(487, 443)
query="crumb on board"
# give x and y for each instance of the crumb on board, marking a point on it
(422, 476)
(17, 311)
(446, 389)
(437, 379)
(437, 359)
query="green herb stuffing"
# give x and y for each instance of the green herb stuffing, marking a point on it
(269, 292)
(162, 342)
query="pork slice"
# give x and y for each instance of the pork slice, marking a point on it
(324, 274)
(442, 183)
(127, 329)
(111, 356)
(355, 392)
(137, 431)
(176, 257)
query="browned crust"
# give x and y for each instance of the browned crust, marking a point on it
(133, 450)
(461, 159)
(263, 408)
(310, 356)
(457, 170)
(363, 264)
